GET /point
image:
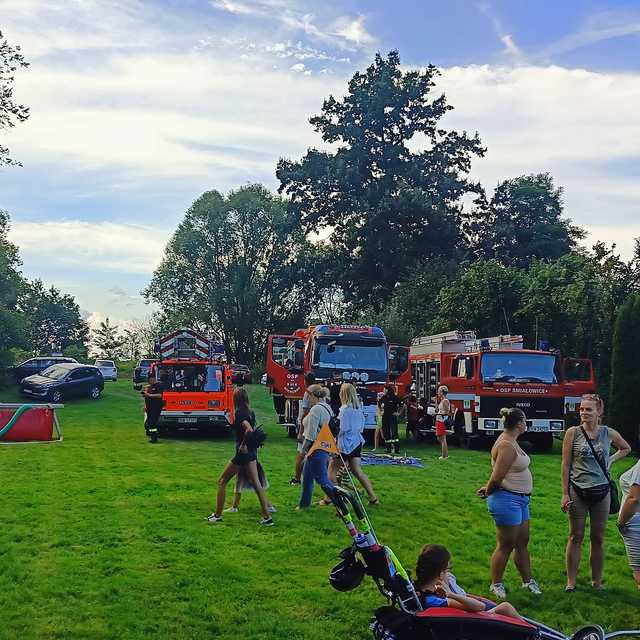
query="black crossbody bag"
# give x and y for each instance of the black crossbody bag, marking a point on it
(592, 495)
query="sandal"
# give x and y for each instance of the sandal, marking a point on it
(375, 502)
(325, 502)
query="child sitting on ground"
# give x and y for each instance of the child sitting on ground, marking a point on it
(436, 587)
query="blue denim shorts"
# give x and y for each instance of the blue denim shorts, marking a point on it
(508, 509)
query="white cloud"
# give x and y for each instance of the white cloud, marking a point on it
(232, 7)
(354, 31)
(297, 67)
(91, 246)
(598, 27)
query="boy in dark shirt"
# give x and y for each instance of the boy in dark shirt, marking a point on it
(153, 404)
(390, 404)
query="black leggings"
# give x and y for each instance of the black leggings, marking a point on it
(390, 433)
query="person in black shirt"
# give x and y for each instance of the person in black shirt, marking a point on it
(245, 457)
(153, 404)
(390, 404)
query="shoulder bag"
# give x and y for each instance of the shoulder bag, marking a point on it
(614, 507)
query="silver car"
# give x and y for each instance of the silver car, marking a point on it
(108, 369)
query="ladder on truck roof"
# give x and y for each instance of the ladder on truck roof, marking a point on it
(462, 342)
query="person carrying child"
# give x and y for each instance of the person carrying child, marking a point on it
(436, 587)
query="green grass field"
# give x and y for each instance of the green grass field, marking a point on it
(103, 536)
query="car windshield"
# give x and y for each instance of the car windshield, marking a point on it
(55, 372)
(519, 367)
(350, 354)
(104, 363)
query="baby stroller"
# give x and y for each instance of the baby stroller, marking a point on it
(403, 618)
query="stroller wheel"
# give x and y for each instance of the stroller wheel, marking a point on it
(589, 632)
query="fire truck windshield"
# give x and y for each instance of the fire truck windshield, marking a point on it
(519, 367)
(350, 354)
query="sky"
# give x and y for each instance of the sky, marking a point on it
(139, 106)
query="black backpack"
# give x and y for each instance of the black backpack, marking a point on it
(334, 423)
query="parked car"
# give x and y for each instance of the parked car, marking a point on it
(108, 369)
(242, 370)
(141, 372)
(64, 380)
(36, 365)
(263, 379)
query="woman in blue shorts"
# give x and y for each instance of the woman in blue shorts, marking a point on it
(508, 493)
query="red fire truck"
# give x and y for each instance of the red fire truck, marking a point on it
(485, 374)
(198, 383)
(334, 353)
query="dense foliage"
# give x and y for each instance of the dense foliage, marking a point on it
(625, 377)
(387, 205)
(236, 265)
(10, 112)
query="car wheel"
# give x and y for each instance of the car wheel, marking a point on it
(95, 392)
(56, 396)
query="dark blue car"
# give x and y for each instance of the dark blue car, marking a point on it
(62, 381)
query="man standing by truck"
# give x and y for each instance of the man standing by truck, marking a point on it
(153, 404)
(390, 404)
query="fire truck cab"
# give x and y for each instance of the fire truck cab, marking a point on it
(334, 354)
(484, 375)
(197, 382)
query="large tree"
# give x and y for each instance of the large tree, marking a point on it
(624, 413)
(52, 319)
(236, 265)
(106, 340)
(390, 190)
(10, 112)
(522, 221)
(11, 287)
(484, 298)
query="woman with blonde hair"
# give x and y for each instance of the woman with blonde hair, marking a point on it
(315, 467)
(585, 485)
(350, 439)
(442, 416)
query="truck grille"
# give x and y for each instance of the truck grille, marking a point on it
(533, 407)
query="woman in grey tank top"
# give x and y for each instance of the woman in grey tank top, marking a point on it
(585, 488)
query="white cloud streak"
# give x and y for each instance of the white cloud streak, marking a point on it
(89, 246)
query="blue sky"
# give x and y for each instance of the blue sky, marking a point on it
(139, 106)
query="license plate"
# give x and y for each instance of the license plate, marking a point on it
(183, 420)
(537, 428)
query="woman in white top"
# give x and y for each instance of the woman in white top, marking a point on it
(508, 494)
(350, 439)
(629, 517)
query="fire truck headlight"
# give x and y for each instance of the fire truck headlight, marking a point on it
(491, 424)
(364, 376)
(557, 425)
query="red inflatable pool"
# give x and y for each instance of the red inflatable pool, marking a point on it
(29, 423)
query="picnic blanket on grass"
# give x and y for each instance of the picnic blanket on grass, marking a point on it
(385, 458)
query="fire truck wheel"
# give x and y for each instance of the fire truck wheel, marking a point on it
(291, 430)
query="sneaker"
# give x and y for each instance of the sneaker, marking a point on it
(498, 590)
(267, 522)
(271, 509)
(214, 518)
(443, 458)
(293, 481)
(533, 586)
(232, 510)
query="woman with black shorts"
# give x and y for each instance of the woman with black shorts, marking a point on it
(245, 459)
(350, 438)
